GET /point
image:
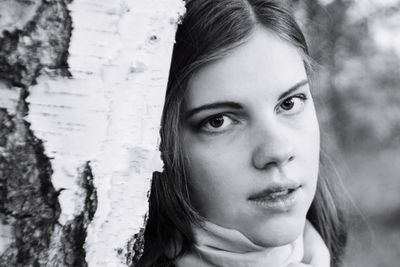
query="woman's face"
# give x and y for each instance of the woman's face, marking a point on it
(251, 138)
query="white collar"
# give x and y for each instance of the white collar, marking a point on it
(219, 246)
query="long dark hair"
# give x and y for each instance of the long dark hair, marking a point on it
(210, 30)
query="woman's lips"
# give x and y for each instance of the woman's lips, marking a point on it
(279, 197)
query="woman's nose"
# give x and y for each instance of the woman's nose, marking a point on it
(272, 149)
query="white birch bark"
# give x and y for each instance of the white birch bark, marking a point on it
(107, 114)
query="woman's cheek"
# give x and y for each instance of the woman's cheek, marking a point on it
(216, 177)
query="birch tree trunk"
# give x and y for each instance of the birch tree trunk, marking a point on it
(81, 91)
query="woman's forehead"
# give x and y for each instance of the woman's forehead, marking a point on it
(264, 66)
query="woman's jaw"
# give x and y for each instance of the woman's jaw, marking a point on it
(268, 225)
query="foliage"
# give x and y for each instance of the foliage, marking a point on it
(358, 77)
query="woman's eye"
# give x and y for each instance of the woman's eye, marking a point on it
(293, 104)
(217, 123)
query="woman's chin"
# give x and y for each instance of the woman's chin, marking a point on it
(278, 234)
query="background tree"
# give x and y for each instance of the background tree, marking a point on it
(356, 44)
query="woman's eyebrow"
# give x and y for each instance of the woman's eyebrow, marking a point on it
(216, 105)
(293, 88)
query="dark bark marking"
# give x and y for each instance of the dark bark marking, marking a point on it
(135, 247)
(29, 201)
(42, 45)
(74, 232)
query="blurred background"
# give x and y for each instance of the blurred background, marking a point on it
(356, 46)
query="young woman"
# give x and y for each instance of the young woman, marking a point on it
(240, 143)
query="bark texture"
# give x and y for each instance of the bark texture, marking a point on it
(28, 199)
(81, 89)
(39, 43)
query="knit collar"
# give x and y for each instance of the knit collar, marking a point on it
(219, 246)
